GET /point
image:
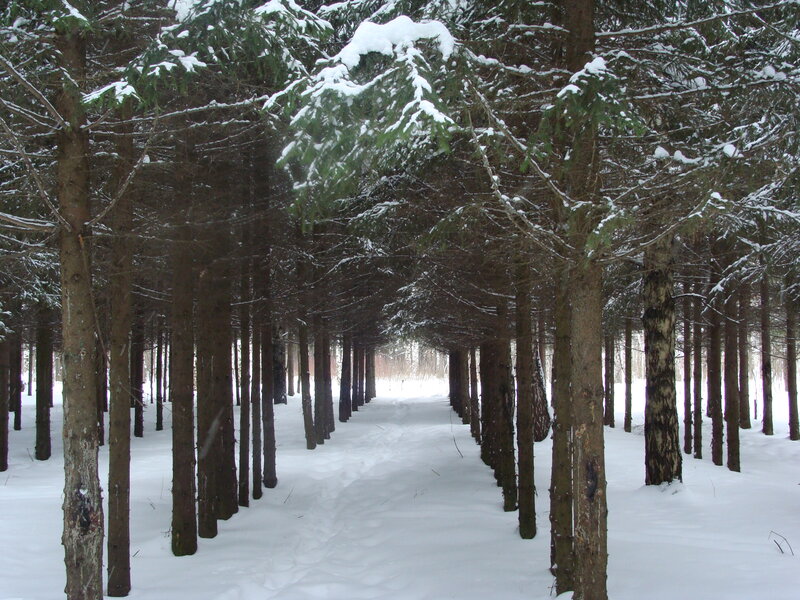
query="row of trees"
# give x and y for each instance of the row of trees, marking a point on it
(454, 173)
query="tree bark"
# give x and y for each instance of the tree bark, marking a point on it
(279, 366)
(525, 399)
(697, 338)
(766, 357)
(244, 382)
(44, 383)
(328, 380)
(628, 422)
(302, 338)
(5, 399)
(687, 371)
(345, 380)
(744, 356)
(320, 420)
(83, 507)
(160, 341)
(714, 367)
(474, 403)
(15, 391)
(732, 381)
(791, 366)
(608, 392)
(181, 365)
(663, 459)
(269, 475)
(255, 401)
(137, 373)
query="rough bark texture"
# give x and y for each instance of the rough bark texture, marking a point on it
(744, 356)
(160, 342)
(255, 401)
(44, 383)
(181, 369)
(279, 366)
(474, 402)
(305, 375)
(290, 367)
(328, 381)
(369, 375)
(137, 373)
(608, 387)
(119, 418)
(628, 374)
(320, 421)
(345, 380)
(697, 376)
(732, 382)
(766, 357)
(269, 476)
(525, 398)
(714, 367)
(791, 366)
(562, 560)
(244, 383)
(663, 459)
(687, 371)
(83, 507)
(5, 373)
(15, 390)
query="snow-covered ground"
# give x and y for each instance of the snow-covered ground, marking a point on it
(389, 509)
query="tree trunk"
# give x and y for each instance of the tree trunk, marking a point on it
(160, 339)
(687, 371)
(320, 420)
(525, 395)
(714, 367)
(255, 401)
(244, 382)
(791, 365)
(302, 338)
(119, 418)
(44, 383)
(732, 381)
(290, 367)
(628, 422)
(766, 357)
(15, 391)
(181, 366)
(608, 395)
(5, 399)
(269, 475)
(279, 367)
(137, 373)
(562, 559)
(345, 380)
(663, 459)
(697, 339)
(328, 381)
(474, 403)
(744, 356)
(369, 375)
(83, 507)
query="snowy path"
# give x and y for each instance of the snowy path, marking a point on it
(389, 509)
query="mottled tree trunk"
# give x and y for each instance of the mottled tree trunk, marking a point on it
(562, 560)
(5, 375)
(160, 340)
(181, 365)
(628, 420)
(290, 367)
(369, 375)
(791, 366)
(279, 367)
(766, 357)
(137, 373)
(345, 380)
(302, 337)
(255, 401)
(269, 476)
(744, 356)
(663, 459)
(244, 382)
(732, 381)
(687, 370)
(525, 398)
(44, 383)
(320, 422)
(608, 371)
(83, 507)
(697, 339)
(714, 367)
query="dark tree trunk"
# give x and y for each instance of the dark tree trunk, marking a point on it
(83, 506)
(279, 367)
(345, 380)
(270, 476)
(463, 384)
(791, 366)
(160, 375)
(5, 400)
(119, 418)
(15, 391)
(302, 338)
(328, 380)
(608, 391)
(732, 382)
(541, 339)
(628, 420)
(697, 339)
(663, 459)
(181, 367)
(474, 402)
(452, 379)
(101, 383)
(255, 401)
(687, 371)
(320, 420)
(244, 383)
(290, 367)
(744, 356)
(358, 377)
(714, 367)
(525, 399)
(369, 375)
(562, 560)
(30, 368)
(44, 383)
(766, 357)
(137, 373)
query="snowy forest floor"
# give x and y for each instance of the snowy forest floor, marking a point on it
(389, 508)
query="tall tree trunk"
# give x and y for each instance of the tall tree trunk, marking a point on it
(160, 339)
(697, 339)
(369, 375)
(320, 420)
(663, 459)
(608, 395)
(744, 356)
(137, 373)
(244, 382)
(525, 395)
(562, 560)
(83, 507)
(181, 365)
(279, 366)
(270, 476)
(302, 338)
(731, 366)
(290, 366)
(463, 383)
(687, 371)
(628, 421)
(714, 367)
(541, 340)
(119, 418)
(791, 365)
(255, 401)
(101, 383)
(766, 356)
(44, 383)
(328, 381)
(30, 367)
(345, 380)
(474, 402)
